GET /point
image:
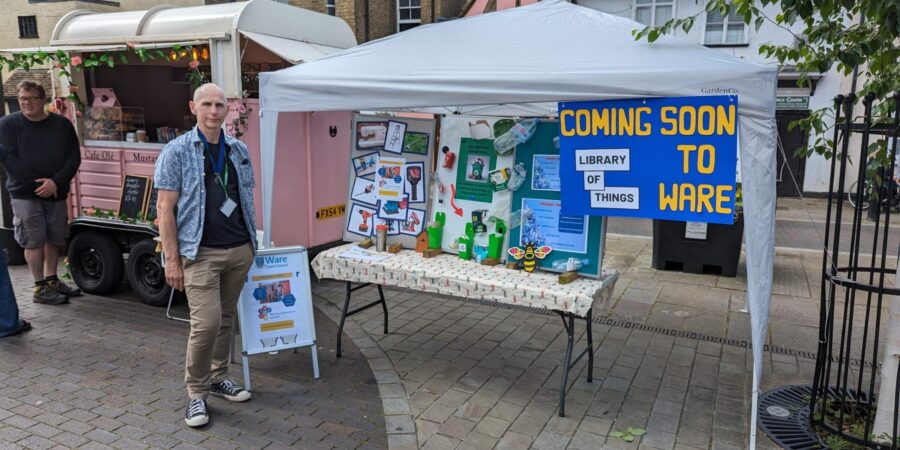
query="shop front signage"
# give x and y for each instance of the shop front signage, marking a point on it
(791, 102)
(660, 158)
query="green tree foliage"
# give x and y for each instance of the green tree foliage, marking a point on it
(845, 34)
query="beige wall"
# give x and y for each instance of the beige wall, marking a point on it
(382, 14)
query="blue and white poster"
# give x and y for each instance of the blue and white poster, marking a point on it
(542, 224)
(545, 173)
(660, 158)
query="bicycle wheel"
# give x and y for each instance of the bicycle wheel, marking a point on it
(851, 195)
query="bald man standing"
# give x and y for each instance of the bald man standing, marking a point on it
(206, 223)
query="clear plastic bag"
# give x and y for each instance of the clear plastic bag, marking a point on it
(520, 133)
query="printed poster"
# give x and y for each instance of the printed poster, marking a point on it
(275, 306)
(545, 173)
(390, 178)
(476, 158)
(394, 141)
(364, 191)
(543, 224)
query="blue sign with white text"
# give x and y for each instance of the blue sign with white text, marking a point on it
(661, 158)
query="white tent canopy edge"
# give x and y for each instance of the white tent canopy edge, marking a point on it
(520, 62)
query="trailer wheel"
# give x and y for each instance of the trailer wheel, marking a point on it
(146, 275)
(96, 262)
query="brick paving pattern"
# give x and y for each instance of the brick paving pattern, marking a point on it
(107, 373)
(671, 356)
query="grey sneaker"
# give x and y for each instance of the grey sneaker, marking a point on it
(196, 414)
(230, 390)
(46, 295)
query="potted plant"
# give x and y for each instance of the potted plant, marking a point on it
(700, 247)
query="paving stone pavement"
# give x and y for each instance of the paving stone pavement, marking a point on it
(671, 356)
(107, 372)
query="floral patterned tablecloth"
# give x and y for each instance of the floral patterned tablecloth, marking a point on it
(449, 275)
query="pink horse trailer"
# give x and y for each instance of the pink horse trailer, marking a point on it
(135, 107)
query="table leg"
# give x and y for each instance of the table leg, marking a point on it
(383, 308)
(346, 312)
(569, 324)
(567, 364)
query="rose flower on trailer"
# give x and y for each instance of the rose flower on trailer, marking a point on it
(76, 61)
(194, 64)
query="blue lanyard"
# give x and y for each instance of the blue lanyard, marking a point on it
(217, 166)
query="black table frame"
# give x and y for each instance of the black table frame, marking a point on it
(568, 320)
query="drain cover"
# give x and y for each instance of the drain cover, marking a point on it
(784, 417)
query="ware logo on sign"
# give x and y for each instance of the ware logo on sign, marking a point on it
(663, 158)
(271, 261)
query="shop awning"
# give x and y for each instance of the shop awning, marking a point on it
(67, 48)
(295, 52)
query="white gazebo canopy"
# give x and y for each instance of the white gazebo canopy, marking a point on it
(521, 62)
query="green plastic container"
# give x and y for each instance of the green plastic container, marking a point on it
(434, 236)
(465, 248)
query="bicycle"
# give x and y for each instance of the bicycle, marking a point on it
(887, 200)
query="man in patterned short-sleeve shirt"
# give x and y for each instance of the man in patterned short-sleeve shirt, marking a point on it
(208, 232)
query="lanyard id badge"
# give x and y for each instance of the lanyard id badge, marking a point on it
(220, 171)
(227, 207)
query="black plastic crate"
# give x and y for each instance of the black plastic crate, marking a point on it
(718, 254)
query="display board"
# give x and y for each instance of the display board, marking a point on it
(659, 158)
(135, 193)
(275, 308)
(577, 241)
(390, 173)
(463, 176)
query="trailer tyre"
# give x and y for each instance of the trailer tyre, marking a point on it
(96, 262)
(146, 275)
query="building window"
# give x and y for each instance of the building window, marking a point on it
(409, 14)
(724, 30)
(654, 12)
(28, 27)
(329, 7)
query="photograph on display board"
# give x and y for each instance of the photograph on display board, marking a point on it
(371, 135)
(393, 209)
(393, 143)
(415, 182)
(365, 165)
(364, 191)
(361, 220)
(476, 157)
(545, 173)
(415, 224)
(390, 178)
(416, 143)
(274, 292)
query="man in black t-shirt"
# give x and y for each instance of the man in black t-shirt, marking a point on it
(206, 224)
(41, 157)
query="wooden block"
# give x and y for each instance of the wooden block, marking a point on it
(366, 243)
(512, 265)
(490, 262)
(431, 252)
(395, 248)
(568, 277)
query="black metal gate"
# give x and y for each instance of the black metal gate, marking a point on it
(855, 293)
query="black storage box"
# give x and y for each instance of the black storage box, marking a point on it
(8, 243)
(718, 254)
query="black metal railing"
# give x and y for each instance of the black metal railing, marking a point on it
(857, 285)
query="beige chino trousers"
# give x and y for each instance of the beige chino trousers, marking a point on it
(213, 284)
